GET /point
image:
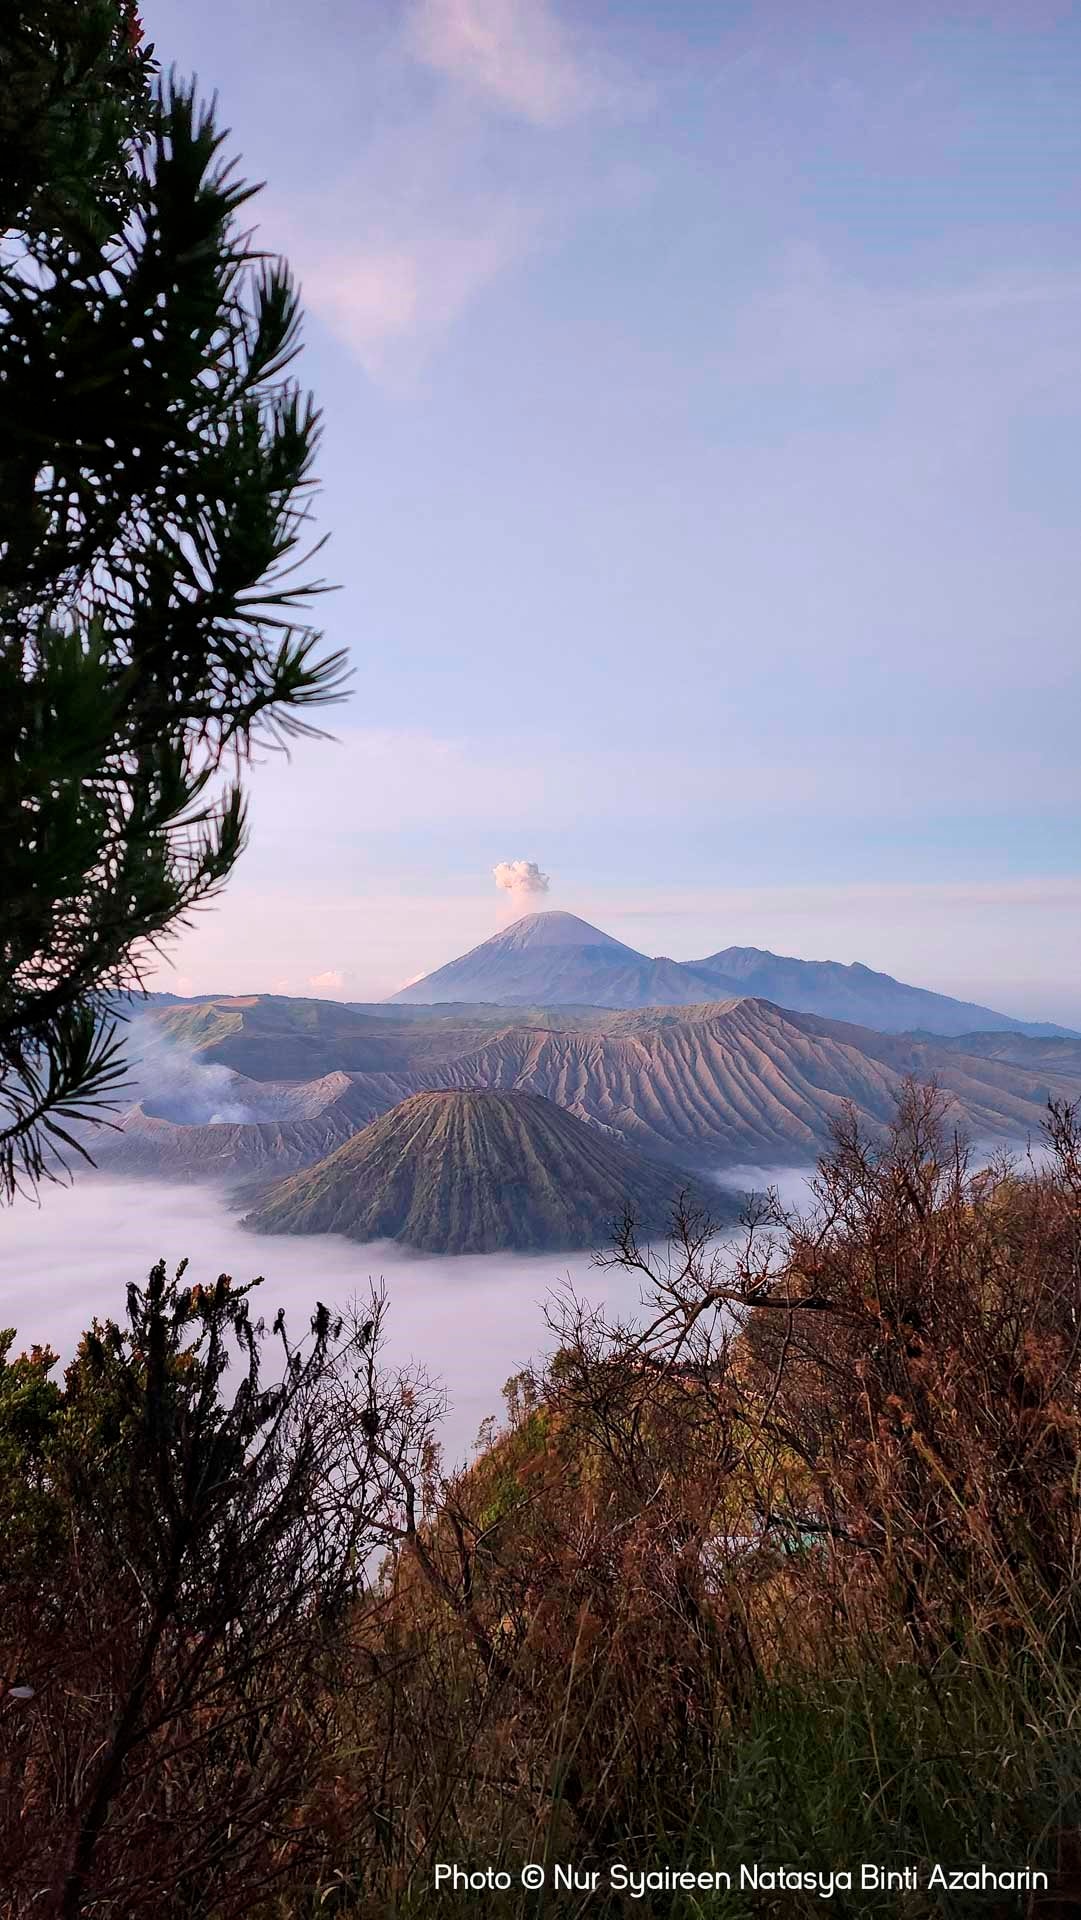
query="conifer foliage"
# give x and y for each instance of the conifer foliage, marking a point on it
(155, 472)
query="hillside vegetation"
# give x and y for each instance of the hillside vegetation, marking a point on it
(787, 1571)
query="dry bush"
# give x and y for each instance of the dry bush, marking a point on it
(180, 1567)
(838, 1454)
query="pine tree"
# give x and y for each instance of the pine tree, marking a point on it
(155, 476)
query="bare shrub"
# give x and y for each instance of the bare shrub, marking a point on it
(179, 1587)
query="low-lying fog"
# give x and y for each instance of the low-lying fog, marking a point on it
(790, 1183)
(472, 1320)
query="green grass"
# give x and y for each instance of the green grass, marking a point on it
(974, 1763)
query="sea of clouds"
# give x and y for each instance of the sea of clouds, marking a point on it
(471, 1320)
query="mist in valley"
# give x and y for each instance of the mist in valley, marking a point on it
(791, 1184)
(471, 1320)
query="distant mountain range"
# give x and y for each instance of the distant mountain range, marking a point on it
(265, 1087)
(522, 1096)
(553, 959)
(480, 1172)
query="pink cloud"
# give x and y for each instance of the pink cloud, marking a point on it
(379, 301)
(365, 296)
(514, 51)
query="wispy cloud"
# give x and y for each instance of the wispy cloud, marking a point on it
(458, 184)
(470, 781)
(1051, 890)
(367, 297)
(332, 981)
(389, 304)
(809, 318)
(515, 53)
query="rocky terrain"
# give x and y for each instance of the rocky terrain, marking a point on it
(556, 957)
(266, 1127)
(267, 1036)
(711, 1086)
(1053, 1054)
(747, 1081)
(479, 1172)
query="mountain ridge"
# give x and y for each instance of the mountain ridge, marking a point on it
(570, 961)
(720, 1084)
(745, 1080)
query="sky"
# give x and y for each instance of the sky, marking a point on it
(701, 389)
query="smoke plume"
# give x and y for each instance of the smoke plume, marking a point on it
(520, 878)
(174, 1085)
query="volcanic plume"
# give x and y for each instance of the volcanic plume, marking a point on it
(522, 879)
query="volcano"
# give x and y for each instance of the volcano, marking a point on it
(555, 959)
(477, 1171)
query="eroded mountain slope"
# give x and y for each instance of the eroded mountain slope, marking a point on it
(477, 1172)
(746, 1081)
(712, 1086)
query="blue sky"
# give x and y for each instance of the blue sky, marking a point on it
(701, 388)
